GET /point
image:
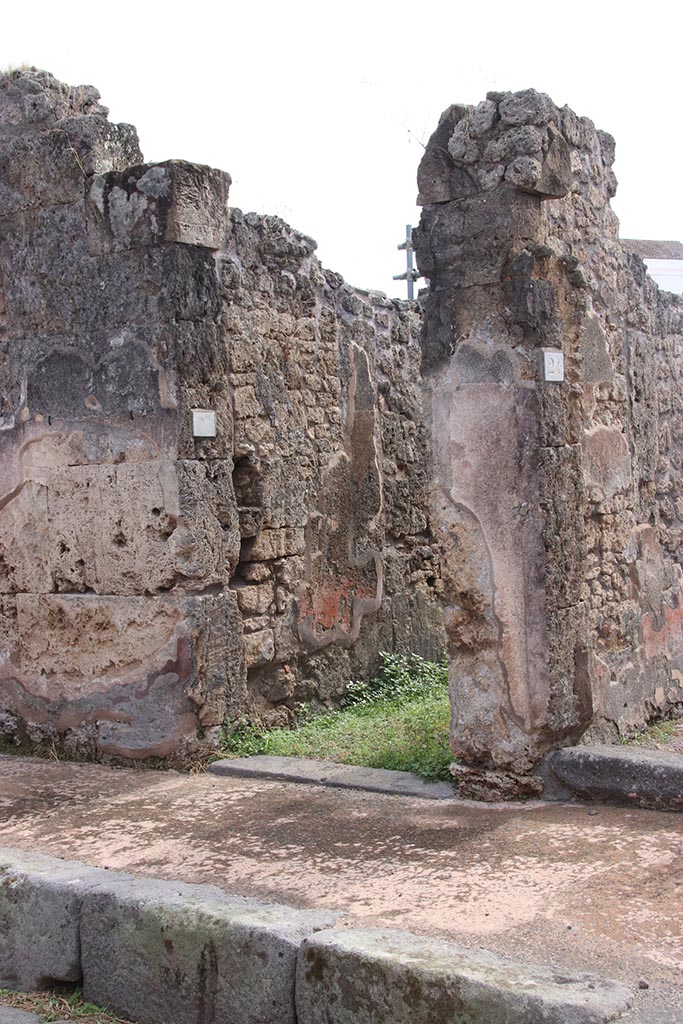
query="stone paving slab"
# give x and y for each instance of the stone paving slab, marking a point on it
(621, 775)
(330, 773)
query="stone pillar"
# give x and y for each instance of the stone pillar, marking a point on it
(507, 499)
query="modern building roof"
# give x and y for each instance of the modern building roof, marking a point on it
(650, 249)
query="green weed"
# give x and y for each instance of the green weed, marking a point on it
(400, 720)
(59, 1004)
(12, 70)
(658, 732)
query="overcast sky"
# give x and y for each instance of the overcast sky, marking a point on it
(319, 111)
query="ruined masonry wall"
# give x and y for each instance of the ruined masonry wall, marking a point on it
(154, 585)
(371, 462)
(558, 503)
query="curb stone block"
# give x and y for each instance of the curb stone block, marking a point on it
(40, 902)
(10, 1015)
(157, 952)
(375, 976)
(623, 775)
(330, 773)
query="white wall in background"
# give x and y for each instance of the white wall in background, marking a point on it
(667, 273)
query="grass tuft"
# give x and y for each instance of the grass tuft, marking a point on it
(657, 733)
(59, 1004)
(400, 721)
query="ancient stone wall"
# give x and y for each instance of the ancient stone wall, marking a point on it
(228, 479)
(332, 463)
(154, 583)
(557, 501)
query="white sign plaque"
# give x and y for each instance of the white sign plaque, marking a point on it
(203, 423)
(553, 364)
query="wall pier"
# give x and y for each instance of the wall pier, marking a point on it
(521, 251)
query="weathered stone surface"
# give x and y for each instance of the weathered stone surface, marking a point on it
(619, 774)
(40, 903)
(438, 178)
(160, 951)
(376, 975)
(607, 462)
(527, 107)
(154, 583)
(556, 504)
(329, 773)
(10, 1015)
(55, 137)
(170, 202)
(488, 509)
(516, 140)
(154, 951)
(123, 676)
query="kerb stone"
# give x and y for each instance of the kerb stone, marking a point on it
(376, 975)
(163, 951)
(306, 770)
(622, 775)
(40, 902)
(9, 1015)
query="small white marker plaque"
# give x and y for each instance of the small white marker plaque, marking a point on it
(553, 364)
(203, 423)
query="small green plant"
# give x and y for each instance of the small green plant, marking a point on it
(243, 739)
(401, 677)
(399, 720)
(59, 1004)
(658, 732)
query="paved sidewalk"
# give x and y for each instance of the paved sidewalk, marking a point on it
(582, 888)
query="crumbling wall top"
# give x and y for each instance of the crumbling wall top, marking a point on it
(53, 137)
(518, 140)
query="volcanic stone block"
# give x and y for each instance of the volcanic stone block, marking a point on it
(173, 201)
(49, 165)
(622, 775)
(607, 462)
(40, 901)
(162, 951)
(439, 179)
(272, 544)
(377, 975)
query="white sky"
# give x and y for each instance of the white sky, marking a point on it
(318, 110)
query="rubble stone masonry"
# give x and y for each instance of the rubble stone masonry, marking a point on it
(368, 471)
(558, 502)
(155, 584)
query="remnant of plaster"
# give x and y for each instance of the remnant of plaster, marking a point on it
(150, 581)
(370, 457)
(574, 486)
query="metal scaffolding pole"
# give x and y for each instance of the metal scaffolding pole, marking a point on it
(411, 274)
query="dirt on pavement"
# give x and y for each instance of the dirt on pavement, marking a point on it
(580, 887)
